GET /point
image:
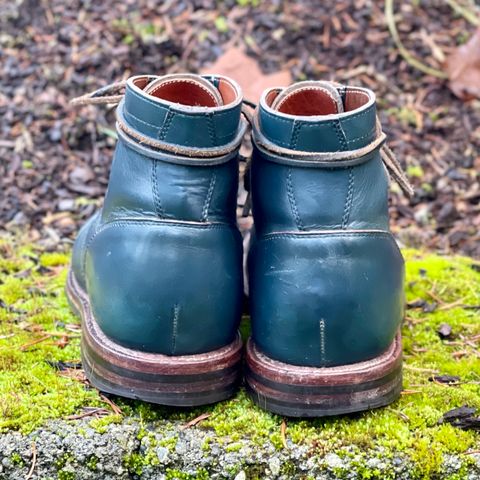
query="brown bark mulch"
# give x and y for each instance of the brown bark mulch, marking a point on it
(54, 160)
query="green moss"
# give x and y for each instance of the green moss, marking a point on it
(92, 463)
(201, 474)
(248, 3)
(134, 463)
(221, 24)
(234, 447)
(406, 115)
(54, 259)
(415, 171)
(66, 475)
(16, 459)
(63, 460)
(101, 424)
(168, 442)
(33, 305)
(254, 472)
(288, 469)
(133, 28)
(34, 317)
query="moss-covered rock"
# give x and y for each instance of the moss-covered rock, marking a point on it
(46, 406)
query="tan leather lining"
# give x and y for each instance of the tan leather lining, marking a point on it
(355, 99)
(190, 93)
(228, 93)
(271, 96)
(308, 101)
(185, 92)
(316, 100)
(142, 82)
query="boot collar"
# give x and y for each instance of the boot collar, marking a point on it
(183, 125)
(336, 130)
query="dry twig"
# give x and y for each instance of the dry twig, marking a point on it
(34, 462)
(409, 58)
(464, 12)
(116, 409)
(195, 421)
(283, 433)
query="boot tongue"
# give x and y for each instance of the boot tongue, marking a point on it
(308, 99)
(191, 90)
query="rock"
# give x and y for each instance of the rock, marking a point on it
(333, 461)
(66, 204)
(444, 331)
(274, 466)
(162, 454)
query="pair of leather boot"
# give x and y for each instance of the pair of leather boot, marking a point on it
(157, 274)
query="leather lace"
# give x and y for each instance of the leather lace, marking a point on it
(338, 158)
(113, 94)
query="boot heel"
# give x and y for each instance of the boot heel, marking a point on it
(299, 391)
(184, 380)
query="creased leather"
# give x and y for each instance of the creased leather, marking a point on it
(162, 261)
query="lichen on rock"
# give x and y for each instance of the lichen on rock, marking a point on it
(46, 405)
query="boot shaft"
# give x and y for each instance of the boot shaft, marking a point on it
(292, 194)
(176, 161)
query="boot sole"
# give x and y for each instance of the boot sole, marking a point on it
(183, 380)
(297, 391)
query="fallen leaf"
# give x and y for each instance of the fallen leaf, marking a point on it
(245, 70)
(426, 307)
(462, 417)
(444, 379)
(463, 69)
(62, 342)
(62, 366)
(430, 307)
(419, 303)
(475, 267)
(460, 412)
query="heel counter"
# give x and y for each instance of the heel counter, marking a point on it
(325, 299)
(169, 288)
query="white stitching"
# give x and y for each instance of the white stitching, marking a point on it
(322, 340)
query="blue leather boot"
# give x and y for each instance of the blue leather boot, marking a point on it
(325, 274)
(156, 275)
